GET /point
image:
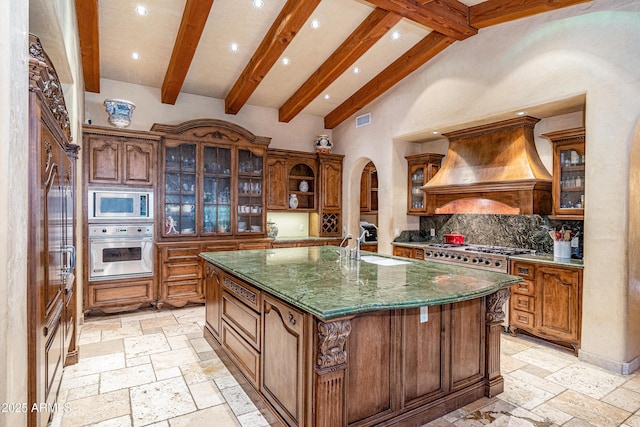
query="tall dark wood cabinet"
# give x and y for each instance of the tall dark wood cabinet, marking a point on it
(51, 264)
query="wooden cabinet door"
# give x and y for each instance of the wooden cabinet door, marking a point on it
(277, 184)
(331, 191)
(139, 160)
(283, 359)
(560, 302)
(104, 160)
(213, 295)
(402, 251)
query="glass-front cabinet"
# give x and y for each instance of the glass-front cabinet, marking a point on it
(421, 168)
(213, 183)
(568, 173)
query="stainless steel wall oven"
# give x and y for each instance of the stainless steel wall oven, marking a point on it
(120, 251)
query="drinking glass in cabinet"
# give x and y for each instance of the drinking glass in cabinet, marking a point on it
(188, 158)
(172, 157)
(172, 183)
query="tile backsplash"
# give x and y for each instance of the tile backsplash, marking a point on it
(521, 231)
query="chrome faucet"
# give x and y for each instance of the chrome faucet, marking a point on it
(359, 240)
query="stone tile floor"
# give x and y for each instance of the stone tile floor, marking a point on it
(154, 368)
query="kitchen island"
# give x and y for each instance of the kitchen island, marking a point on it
(332, 341)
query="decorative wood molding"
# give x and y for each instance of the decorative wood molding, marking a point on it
(87, 17)
(413, 59)
(372, 29)
(495, 302)
(44, 79)
(241, 291)
(448, 17)
(332, 337)
(212, 129)
(495, 12)
(194, 19)
(291, 18)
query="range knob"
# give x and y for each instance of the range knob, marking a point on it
(139, 230)
(447, 255)
(104, 230)
(475, 260)
(465, 259)
(427, 254)
(498, 263)
(487, 262)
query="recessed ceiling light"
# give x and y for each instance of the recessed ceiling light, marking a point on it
(235, 47)
(258, 3)
(135, 55)
(326, 96)
(286, 61)
(315, 24)
(356, 70)
(395, 35)
(435, 132)
(521, 113)
(141, 10)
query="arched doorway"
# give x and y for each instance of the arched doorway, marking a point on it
(369, 206)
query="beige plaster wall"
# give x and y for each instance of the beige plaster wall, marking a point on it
(299, 134)
(13, 198)
(519, 65)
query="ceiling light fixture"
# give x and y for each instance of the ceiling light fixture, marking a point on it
(258, 3)
(435, 132)
(356, 70)
(286, 61)
(141, 10)
(326, 96)
(521, 113)
(235, 47)
(315, 24)
(395, 35)
(135, 55)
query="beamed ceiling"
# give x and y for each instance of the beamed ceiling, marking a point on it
(184, 47)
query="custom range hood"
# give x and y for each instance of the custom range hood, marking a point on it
(491, 169)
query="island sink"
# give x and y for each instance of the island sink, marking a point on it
(321, 351)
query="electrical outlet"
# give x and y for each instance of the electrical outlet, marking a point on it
(433, 232)
(424, 314)
(301, 227)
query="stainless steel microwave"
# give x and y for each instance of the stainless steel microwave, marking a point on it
(121, 205)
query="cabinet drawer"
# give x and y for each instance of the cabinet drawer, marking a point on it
(245, 321)
(182, 270)
(102, 294)
(183, 288)
(181, 253)
(526, 287)
(523, 302)
(245, 293)
(246, 358)
(523, 269)
(418, 253)
(522, 319)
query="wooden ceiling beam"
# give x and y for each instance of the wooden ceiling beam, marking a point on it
(415, 57)
(87, 16)
(291, 18)
(194, 18)
(372, 29)
(493, 12)
(449, 17)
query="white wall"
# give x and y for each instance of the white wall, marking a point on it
(525, 63)
(14, 105)
(299, 134)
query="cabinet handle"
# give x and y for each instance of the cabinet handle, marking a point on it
(292, 320)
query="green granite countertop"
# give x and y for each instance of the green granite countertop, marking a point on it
(316, 280)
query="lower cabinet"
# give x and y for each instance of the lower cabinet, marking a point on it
(181, 274)
(283, 359)
(548, 303)
(119, 295)
(415, 253)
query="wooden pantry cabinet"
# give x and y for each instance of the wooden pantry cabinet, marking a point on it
(421, 168)
(548, 303)
(120, 157)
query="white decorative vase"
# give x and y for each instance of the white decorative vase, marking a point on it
(323, 145)
(304, 186)
(293, 201)
(120, 111)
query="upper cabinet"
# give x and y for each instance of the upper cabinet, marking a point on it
(291, 181)
(369, 189)
(119, 157)
(421, 168)
(568, 173)
(212, 180)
